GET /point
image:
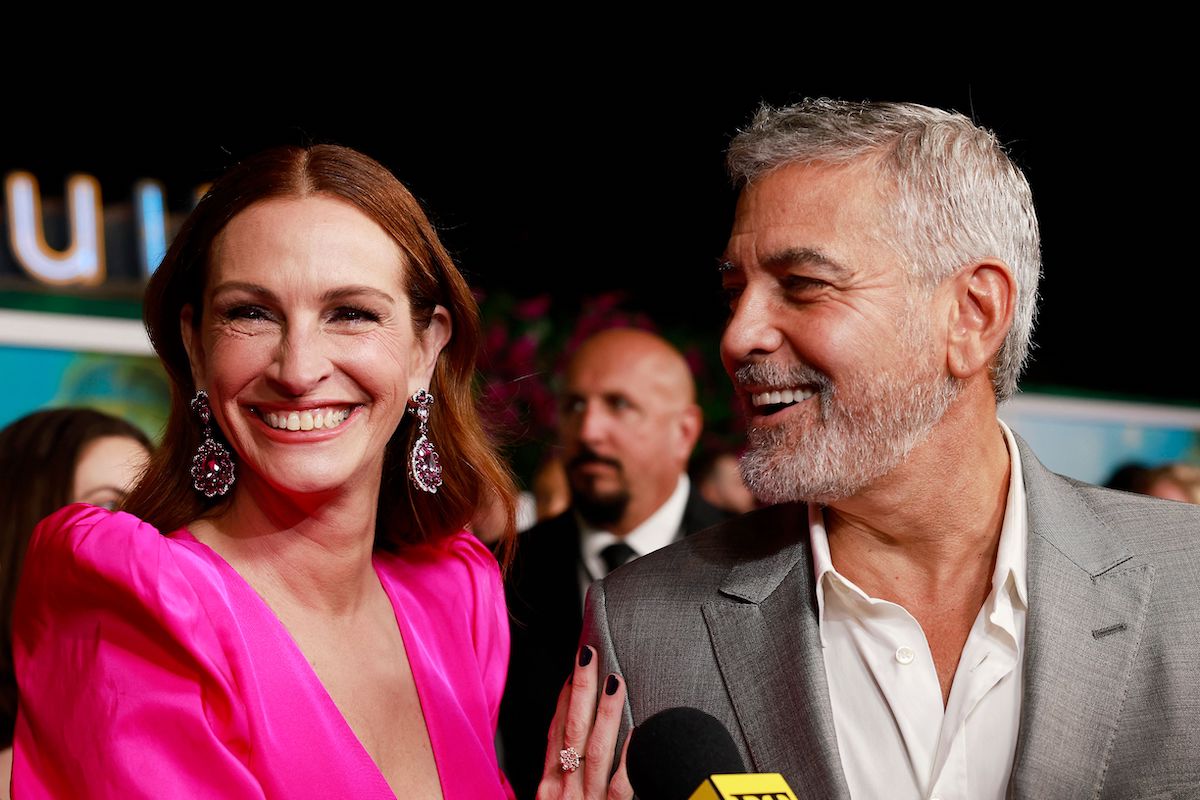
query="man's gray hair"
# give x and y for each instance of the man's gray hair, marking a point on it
(958, 197)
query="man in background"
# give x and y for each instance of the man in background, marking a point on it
(628, 423)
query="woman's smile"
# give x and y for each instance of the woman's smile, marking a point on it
(305, 419)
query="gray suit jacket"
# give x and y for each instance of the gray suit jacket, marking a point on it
(726, 621)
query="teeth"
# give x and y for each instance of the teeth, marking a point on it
(782, 396)
(306, 420)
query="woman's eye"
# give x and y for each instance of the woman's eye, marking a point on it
(353, 314)
(247, 312)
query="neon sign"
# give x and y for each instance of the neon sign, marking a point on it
(83, 261)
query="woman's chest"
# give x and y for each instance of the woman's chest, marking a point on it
(365, 670)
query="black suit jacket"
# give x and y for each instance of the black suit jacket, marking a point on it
(546, 614)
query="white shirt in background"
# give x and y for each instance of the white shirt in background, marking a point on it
(660, 529)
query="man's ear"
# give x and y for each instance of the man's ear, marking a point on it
(428, 347)
(189, 331)
(983, 297)
(691, 423)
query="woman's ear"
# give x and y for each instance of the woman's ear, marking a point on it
(429, 346)
(189, 331)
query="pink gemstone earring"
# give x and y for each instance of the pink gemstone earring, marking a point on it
(212, 466)
(425, 468)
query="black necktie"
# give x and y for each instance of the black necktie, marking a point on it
(617, 554)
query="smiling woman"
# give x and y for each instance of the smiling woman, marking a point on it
(313, 621)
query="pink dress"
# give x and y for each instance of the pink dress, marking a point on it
(148, 668)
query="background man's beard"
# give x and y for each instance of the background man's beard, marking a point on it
(600, 511)
(867, 429)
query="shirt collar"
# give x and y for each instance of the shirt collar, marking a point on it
(657, 531)
(1014, 535)
(1010, 552)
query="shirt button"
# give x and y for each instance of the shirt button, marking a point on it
(905, 655)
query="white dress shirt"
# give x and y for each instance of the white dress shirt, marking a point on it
(895, 738)
(659, 529)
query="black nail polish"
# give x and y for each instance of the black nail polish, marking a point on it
(611, 685)
(585, 656)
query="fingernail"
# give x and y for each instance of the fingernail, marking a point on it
(585, 656)
(611, 685)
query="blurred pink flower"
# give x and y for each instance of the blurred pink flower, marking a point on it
(532, 308)
(522, 355)
(497, 337)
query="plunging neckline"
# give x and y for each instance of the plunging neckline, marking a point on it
(403, 625)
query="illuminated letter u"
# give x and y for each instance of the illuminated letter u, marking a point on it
(83, 260)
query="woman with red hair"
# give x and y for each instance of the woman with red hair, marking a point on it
(288, 605)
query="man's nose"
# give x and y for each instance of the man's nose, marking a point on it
(753, 328)
(591, 422)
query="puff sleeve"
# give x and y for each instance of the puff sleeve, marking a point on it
(124, 691)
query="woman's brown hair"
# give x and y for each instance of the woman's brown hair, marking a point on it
(38, 456)
(473, 471)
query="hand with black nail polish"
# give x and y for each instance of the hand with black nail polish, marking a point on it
(583, 737)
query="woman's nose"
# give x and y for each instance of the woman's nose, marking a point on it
(301, 361)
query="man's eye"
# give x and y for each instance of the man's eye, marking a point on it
(730, 295)
(797, 284)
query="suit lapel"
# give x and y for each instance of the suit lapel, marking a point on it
(1087, 604)
(765, 637)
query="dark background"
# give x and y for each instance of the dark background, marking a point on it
(618, 184)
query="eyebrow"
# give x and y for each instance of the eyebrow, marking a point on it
(791, 257)
(330, 296)
(803, 257)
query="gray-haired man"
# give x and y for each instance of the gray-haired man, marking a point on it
(927, 612)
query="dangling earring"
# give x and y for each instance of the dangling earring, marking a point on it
(212, 466)
(424, 466)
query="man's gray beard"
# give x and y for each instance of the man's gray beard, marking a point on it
(866, 431)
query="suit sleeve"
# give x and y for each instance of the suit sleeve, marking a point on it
(123, 689)
(596, 633)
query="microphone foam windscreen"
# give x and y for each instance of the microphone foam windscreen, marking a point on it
(675, 751)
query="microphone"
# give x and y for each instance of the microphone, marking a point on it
(685, 754)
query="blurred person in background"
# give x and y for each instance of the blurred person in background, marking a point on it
(552, 495)
(49, 459)
(291, 608)
(1177, 481)
(719, 482)
(628, 423)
